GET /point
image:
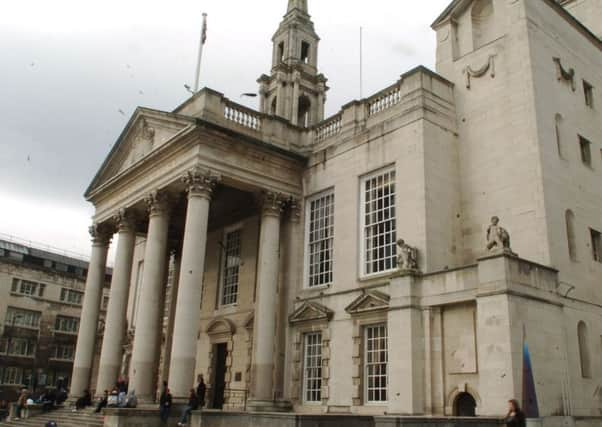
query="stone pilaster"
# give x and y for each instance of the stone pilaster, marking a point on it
(84, 353)
(145, 354)
(262, 390)
(188, 311)
(115, 326)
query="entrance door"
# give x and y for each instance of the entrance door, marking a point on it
(219, 381)
(465, 405)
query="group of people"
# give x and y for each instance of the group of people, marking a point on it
(48, 399)
(196, 400)
(117, 398)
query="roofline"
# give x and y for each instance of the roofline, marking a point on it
(552, 3)
(124, 132)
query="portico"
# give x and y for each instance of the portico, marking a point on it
(195, 188)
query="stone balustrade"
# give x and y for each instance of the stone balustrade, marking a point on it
(409, 93)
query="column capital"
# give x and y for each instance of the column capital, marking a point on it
(101, 234)
(272, 203)
(200, 182)
(294, 209)
(124, 220)
(157, 203)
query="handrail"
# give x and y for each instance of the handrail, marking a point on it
(329, 127)
(384, 100)
(242, 115)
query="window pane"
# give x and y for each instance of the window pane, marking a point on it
(231, 268)
(376, 360)
(312, 375)
(320, 229)
(379, 231)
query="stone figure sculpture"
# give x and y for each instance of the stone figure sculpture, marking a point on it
(498, 239)
(407, 256)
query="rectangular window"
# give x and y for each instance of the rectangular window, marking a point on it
(312, 368)
(305, 52)
(231, 268)
(596, 237)
(63, 352)
(376, 360)
(585, 148)
(20, 347)
(11, 375)
(320, 239)
(41, 289)
(379, 250)
(15, 286)
(22, 318)
(71, 296)
(66, 324)
(588, 92)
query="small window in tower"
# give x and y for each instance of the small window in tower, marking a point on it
(596, 237)
(281, 52)
(586, 151)
(303, 115)
(273, 106)
(305, 52)
(588, 91)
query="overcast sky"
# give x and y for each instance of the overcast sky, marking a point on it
(72, 72)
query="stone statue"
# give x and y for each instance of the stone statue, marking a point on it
(407, 256)
(498, 239)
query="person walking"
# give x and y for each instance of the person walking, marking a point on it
(21, 403)
(165, 404)
(515, 417)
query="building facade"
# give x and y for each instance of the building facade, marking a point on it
(357, 264)
(41, 294)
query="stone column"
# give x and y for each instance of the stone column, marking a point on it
(266, 305)
(286, 296)
(84, 353)
(188, 311)
(115, 325)
(145, 354)
(295, 103)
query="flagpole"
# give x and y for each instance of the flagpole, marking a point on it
(361, 62)
(200, 58)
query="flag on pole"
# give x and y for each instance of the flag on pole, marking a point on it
(530, 406)
(204, 31)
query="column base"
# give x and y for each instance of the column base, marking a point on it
(269, 406)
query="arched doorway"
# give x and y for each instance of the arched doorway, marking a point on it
(465, 406)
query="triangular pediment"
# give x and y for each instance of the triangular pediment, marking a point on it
(367, 302)
(146, 132)
(310, 312)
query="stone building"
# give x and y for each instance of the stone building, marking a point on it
(41, 293)
(293, 289)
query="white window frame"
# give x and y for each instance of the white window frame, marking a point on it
(15, 373)
(310, 364)
(362, 222)
(28, 346)
(367, 365)
(72, 296)
(13, 312)
(66, 320)
(307, 258)
(59, 351)
(238, 228)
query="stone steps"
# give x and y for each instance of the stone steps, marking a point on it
(63, 418)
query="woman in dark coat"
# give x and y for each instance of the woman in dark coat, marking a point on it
(165, 404)
(515, 417)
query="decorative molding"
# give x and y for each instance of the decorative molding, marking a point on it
(222, 327)
(101, 234)
(124, 220)
(200, 182)
(272, 203)
(563, 74)
(294, 208)
(369, 301)
(310, 312)
(480, 72)
(157, 203)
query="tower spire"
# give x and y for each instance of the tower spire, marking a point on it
(297, 4)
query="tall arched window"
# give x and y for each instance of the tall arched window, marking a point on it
(483, 23)
(569, 217)
(303, 114)
(584, 350)
(558, 134)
